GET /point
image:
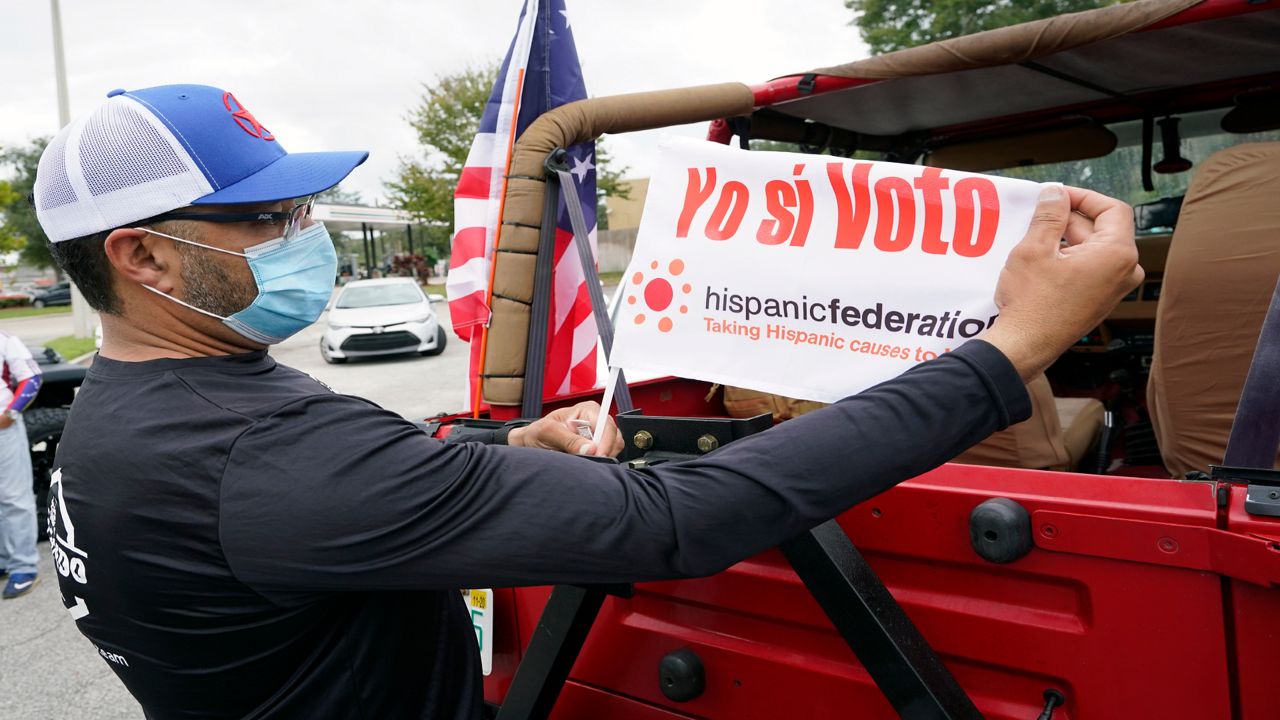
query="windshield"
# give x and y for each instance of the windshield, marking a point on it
(363, 296)
(1120, 173)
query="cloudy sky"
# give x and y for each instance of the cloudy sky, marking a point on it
(342, 74)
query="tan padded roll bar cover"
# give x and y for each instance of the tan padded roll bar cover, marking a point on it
(1218, 279)
(588, 119)
(522, 215)
(1013, 44)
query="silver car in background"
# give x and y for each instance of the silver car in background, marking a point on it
(381, 317)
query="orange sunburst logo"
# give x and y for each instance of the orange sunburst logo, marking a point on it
(659, 294)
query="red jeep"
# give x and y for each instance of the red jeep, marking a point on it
(1089, 563)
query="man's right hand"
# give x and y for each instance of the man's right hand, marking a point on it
(555, 432)
(1051, 295)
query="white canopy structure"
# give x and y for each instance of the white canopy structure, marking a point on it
(369, 221)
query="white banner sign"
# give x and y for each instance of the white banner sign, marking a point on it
(810, 276)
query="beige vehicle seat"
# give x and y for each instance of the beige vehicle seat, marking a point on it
(1056, 437)
(1218, 279)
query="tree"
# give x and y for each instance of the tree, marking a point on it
(888, 25)
(608, 184)
(337, 196)
(775, 146)
(10, 239)
(446, 120)
(19, 217)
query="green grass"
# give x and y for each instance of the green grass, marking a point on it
(18, 312)
(71, 347)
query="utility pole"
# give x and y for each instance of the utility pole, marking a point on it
(81, 317)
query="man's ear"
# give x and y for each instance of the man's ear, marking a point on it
(143, 258)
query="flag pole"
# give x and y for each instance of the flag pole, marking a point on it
(598, 434)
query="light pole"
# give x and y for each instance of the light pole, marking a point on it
(81, 320)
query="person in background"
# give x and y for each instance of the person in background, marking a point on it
(17, 502)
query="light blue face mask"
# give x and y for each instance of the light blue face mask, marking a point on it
(295, 280)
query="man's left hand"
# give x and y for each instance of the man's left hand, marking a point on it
(6, 422)
(554, 432)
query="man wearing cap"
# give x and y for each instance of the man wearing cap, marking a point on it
(240, 542)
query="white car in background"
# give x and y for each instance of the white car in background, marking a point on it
(381, 317)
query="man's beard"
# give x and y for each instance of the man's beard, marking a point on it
(209, 286)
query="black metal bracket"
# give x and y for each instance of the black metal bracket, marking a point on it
(894, 653)
(557, 640)
(1262, 497)
(651, 439)
(741, 127)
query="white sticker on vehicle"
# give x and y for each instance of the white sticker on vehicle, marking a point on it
(480, 604)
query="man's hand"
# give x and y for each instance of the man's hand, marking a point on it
(5, 421)
(554, 432)
(1050, 295)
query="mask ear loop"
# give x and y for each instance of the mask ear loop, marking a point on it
(183, 303)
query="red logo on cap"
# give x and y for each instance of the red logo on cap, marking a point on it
(245, 119)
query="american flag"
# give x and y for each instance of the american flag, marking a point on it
(540, 72)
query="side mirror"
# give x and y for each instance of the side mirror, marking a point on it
(435, 297)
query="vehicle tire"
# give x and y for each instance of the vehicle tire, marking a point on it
(441, 340)
(44, 432)
(329, 358)
(37, 304)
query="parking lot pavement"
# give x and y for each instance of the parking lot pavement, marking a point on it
(38, 329)
(410, 385)
(47, 668)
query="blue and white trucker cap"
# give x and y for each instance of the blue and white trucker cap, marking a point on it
(146, 152)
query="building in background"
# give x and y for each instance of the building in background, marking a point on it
(616, 244)
(625, 213)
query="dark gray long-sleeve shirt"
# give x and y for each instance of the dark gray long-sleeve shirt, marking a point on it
(241, 542)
